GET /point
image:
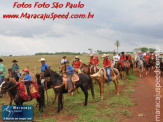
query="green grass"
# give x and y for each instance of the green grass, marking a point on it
(111, 109)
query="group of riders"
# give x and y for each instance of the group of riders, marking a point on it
(94, 61)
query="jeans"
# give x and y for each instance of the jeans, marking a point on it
(108, 73)
(1, 79)
(69, 80)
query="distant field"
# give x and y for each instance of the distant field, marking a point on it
(32, 61)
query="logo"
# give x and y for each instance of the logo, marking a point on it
(17, 112)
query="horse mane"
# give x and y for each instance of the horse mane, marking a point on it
(85, 64)
(56, 79)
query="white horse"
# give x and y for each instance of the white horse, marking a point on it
(140, 66)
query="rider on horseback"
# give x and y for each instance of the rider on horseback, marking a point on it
(107, 66)
(69, 71)
(96, 63)
(15, 67)
(63, 60)
(2, 74)
(27, 80)
(43, 67)
(123, 60)
(77, 64)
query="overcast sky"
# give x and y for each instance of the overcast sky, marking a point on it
(135, 23)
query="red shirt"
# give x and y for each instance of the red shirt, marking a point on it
(106, 63)
(146, 57)
(96, 61)
(77, 64)
(123, 58)
(91, 61)
(129, 57)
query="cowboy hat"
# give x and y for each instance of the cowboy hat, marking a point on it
(104, 55)
(64, 56)
(26, 70)
(122, 53)
(42, 59)
(108, 54)
(76, 56)
(91, 55)
(1, 60)
(14, 61)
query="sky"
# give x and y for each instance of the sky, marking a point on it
(135, 23)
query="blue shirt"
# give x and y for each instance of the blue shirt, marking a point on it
(27, 77)
(43, 67)
(15, 67)
(69, 68)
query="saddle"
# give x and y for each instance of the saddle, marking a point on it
(33, 89)
(74, 79)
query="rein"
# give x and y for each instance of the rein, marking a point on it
(11, 87)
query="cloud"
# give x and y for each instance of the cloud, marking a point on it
(134, 23)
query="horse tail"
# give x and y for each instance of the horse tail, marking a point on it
(91, 86)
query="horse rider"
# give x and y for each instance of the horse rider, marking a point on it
(2, 74)
(91, 61)
(146, 57)
(107, 66)
(96, 63)
(15, 67)
(129, 56)
(43, 67)
(69, 71)
(27, 80)
(116, 58)
(123, 60)
(77, 64)
(63, 60)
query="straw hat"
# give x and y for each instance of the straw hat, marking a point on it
(91, 55)
(42, 59)
(104, 55)
(76, 56)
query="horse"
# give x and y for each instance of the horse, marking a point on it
(13, 75)
(118, 66)
(131, 64)
(11, 88)
(101, 76)
(86, 69)
(47, 85)
(148, 65)
(140, 65)
(84, 82)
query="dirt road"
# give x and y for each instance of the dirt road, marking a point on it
(144, 93)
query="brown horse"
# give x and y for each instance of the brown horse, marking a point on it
(131, 64)
(87, 69)
(148, 65)
(102, 78)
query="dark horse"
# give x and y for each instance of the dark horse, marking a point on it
(11, 88)
(12, 75)
(85, 82)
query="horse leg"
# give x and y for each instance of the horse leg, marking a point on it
(86, 95)
(54, 99)
(102, 89)
(59, 102)
(114, 81)
(117, 79)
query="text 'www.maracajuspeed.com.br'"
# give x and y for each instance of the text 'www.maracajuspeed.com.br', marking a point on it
(52, 16)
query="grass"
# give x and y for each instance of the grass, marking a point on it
(111, 109)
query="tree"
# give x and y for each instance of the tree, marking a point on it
(144, 49)
(99, 51)
(90, 50)
(152, 49)
(117, 43)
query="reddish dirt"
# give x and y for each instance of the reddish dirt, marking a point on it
(144, 95)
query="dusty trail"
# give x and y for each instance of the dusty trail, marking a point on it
(144, 111)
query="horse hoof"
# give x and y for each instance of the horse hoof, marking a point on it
(117, 93)
(102, 98)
